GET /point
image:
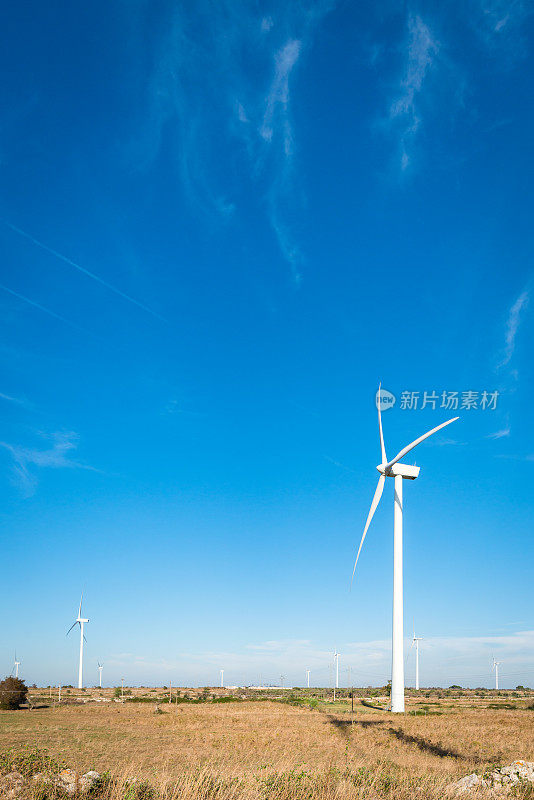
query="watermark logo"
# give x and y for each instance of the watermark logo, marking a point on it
(384, 399)
(471, 400)
(451, 401)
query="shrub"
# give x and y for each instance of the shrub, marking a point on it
(13, 692)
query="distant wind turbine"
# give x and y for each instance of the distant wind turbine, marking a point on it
(336, 659)
(394, 469)
(308, 677)
(100, 668)
(496, 668)
(81, 622)
(415, 641)
(16, 665)
(222, 679)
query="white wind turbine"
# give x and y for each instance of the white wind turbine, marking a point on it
(16, 665)
(496, 668)
(81, 622)
(336, 659)
(394, 469)
(415, 641)
(100, 668)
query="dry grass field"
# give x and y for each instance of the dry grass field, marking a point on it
(256, 750)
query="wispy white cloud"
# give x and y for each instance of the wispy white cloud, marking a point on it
(338, 464)
(17, 401)
(465, 660)
(79, 268)
(42, 308)
(278, 96)
(27, 461)
(499, 24)
(502, 434)
(231, 84)
(422, 50)
(512, 325)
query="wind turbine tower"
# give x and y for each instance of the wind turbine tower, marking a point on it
(308, 677)
(496, 668)
(100, 668)
(336, 658)
(415, 641)
(81, 622)
(16, 665)
(399, 472)
(222, 679)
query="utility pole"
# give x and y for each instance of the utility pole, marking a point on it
(59, 694)
(170, 691)
(122, 689)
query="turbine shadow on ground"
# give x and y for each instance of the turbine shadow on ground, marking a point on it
(368, 723)
(424, 745)
(341, 725)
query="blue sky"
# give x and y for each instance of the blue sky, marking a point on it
(222, 225)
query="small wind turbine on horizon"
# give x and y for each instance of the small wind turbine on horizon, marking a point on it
(496, 668)
(16, 665)
(81, 622)
(222, 679)
(415, 641)
(336, 659)
(394, 469)
(308, 677)
(100, 668)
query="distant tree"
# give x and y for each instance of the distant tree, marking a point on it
(13, 692)
(455, 686)
(520, 688)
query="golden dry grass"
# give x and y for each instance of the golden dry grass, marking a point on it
(267, 746)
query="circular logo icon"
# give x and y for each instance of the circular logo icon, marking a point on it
(384, 399)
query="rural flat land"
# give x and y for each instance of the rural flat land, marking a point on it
(274, 748)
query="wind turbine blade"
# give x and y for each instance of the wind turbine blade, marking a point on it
(382, 448)
(71, 627)
(84, 638)
(80, 610)
(376, 499)
(418, 441)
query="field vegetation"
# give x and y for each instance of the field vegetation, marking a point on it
(299, 746)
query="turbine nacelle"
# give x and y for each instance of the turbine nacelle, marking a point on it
(404, 470)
